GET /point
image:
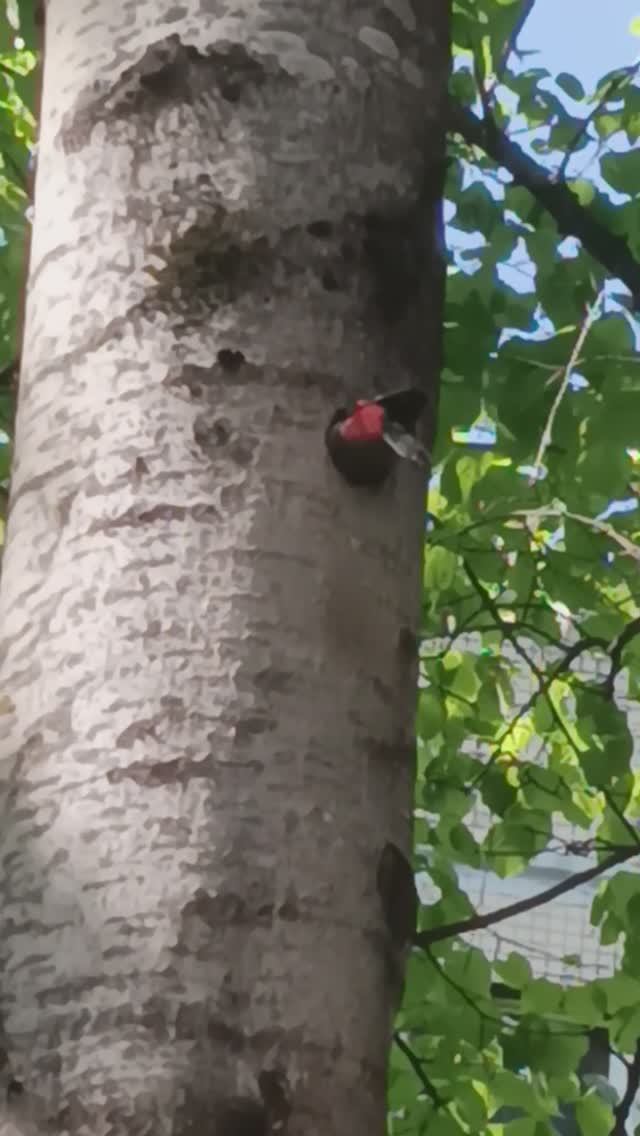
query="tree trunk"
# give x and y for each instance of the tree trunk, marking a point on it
(208, 653)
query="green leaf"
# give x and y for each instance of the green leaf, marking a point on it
(594, 1116)
(518, 733)
(522, 1126)
(516, 1092)
(618, 170)
(541, 997)
(515, 971)
(440, 569)
(583, 190)
(572, 86)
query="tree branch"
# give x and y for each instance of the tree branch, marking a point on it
(617, 647)
(480, 922)
(418, 1067)
(510, 43)
(544, 685)
(626, 545)
(591, 315)
(622, 1110)
(611, 250)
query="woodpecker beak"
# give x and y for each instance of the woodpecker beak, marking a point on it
(404, 444)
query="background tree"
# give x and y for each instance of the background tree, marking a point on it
(527, 554)
(537, 435)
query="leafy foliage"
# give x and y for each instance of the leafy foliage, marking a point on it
(531, 574)
(531, 605)
(17, 133)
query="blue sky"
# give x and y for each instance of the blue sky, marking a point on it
(585, 37)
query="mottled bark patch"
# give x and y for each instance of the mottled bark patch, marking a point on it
(274, 680)
(252, 725)
(175, 14)
(136, 517)
(229, 907)
(177, 771)
(169, 73)
(216, 438)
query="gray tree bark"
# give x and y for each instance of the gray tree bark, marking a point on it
(208, 661)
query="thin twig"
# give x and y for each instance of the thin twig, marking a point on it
(483, 92)
(507, 629)
(543, 680)
(622, 1110)
(623, 542)
(459, 990)
(619, 815)
(615, 85)
(418, 1067)
(480, 922)
(615, 654)
(571, 654)
(512, 39)
(591, 314)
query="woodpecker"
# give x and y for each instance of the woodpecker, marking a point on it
(364, 443)
(399, 900)
(396, 887)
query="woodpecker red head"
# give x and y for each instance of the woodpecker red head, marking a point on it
(364, 443)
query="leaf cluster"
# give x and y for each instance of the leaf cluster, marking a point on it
(530, 658)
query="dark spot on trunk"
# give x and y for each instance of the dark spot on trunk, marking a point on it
(176, 13)
(216, 909)
(329, 281)
(231, 90)
(320, 229)
(395, 250)
(289, 910)
(291, 822)
(221, 431)
(168, 82)
(136, 732)
(230, 360)
(240, 1116)
(252, 726)
(176, 771)
(64, 508)
(274, 1091)
(408, 644)
(241, 450)
(274, 680)
(219, 1030)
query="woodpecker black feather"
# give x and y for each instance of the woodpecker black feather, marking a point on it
(365, 442)
(398, 895)
(403, 406)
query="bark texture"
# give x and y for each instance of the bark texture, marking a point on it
(208, 653)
